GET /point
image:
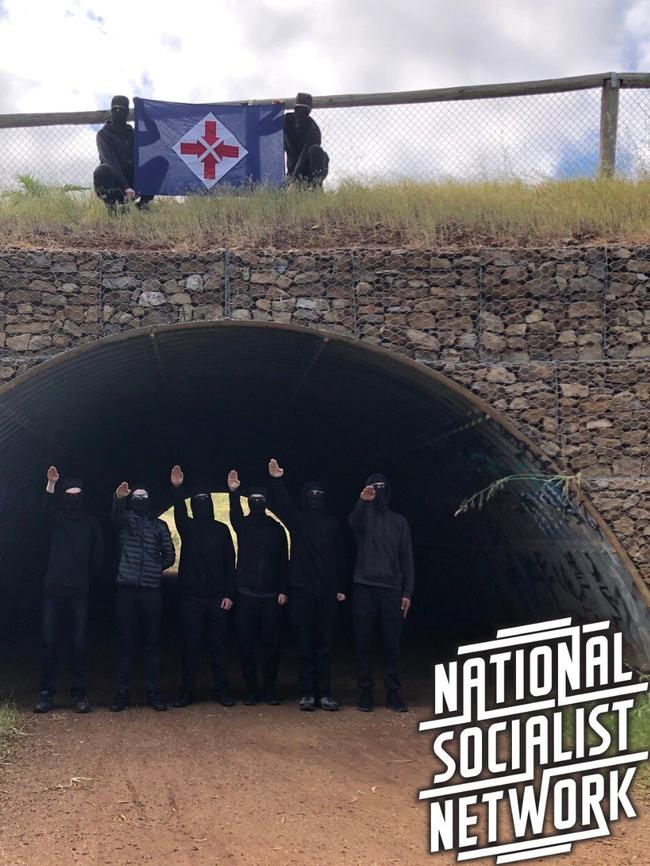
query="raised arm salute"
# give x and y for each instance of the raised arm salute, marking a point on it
(383, 586)
(206, 577)
(317, 581)
(261, 581)
(146, 550)
(75, 556)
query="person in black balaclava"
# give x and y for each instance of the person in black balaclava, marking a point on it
(113, 177)
(261, 581)
(316, 579)
(307, 162)
(206, 578)
(76, 555)
(383, 586)
(146, 550)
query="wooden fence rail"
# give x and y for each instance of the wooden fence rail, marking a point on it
(609, 82)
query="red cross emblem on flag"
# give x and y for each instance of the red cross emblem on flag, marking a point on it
(210, 150)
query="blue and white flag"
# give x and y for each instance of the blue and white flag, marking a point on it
(181, 148)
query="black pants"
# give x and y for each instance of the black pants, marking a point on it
(372, 603)
(109, 188)
(316, 166)
(198, 614)
(312, 617)
(57, 606)
(258, 623)
(138, 609)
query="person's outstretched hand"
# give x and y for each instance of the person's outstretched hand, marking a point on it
(368, 493)
(233, 480)
(275, 471)
(177, 476)
(123, 490)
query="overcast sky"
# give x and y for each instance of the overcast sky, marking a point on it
(67, 55)
(64, 55)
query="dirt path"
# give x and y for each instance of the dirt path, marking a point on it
(261, 786)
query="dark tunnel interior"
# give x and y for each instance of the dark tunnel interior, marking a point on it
(215, 396)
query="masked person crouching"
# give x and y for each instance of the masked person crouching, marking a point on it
(383, 586)
(76, 555)
(146, 550)
(113, 177)
(307, 162)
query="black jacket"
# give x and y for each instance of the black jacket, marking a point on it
(207, 566)
(297, 141)
(317, 556)
(76, 547)
(262, 551)
(115, 146)
(146, 547)
(384, 551)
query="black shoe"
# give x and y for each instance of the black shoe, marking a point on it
(45, 702)
(394, 701)
(156, 702)
(366, 704)
(328, 703)
(81, 704)
(224, 699)
(269, 696)
(183, 700)
(120, 702)
(307, 703)
(251, 699)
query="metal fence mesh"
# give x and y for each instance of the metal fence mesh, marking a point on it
(529, 138)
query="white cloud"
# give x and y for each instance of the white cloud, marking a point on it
(210, 50)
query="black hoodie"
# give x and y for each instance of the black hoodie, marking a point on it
(207, 566)
(76, 546)
(262, 552)
(317, 554)
(115, 146)
(384, 550)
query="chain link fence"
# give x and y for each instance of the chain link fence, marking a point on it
(531, 136)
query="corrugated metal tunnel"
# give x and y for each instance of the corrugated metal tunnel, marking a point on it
(217, 395)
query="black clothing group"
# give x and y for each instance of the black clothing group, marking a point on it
(76, 554)
(209, 582)
(307, 162)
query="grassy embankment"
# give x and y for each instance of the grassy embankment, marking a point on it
(640, 737)
(405, 214)
(10, 727)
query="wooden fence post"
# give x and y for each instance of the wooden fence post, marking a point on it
(608, 124)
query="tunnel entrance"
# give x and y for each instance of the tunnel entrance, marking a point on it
(217, 395)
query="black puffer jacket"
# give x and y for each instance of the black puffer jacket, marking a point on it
(262, 551)
(146, 547)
